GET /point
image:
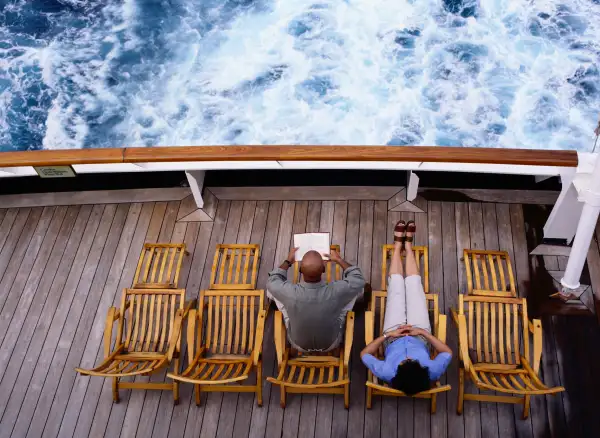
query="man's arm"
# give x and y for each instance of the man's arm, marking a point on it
(278, 277)
(353, 277)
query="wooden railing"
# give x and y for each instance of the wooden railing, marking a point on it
(437, 154)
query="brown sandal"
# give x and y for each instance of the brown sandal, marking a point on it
(399, 228)
(411, 228)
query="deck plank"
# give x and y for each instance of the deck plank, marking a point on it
(20, 362)
(422, 421)
(525, 428)
(471, 411)
(196, 414)
(141, 409)
(16, 306)
(83, 329)
(366, 247)
(557, 425)
(6, 224)
(255, 234)
(258, 421)
(235, 227)
(275, 420)
(24, 255)
(356, 416)
(124, 415)
(77, 267)
(435, 216)
(325, 401)
(22, 326)
(449, 289)
(33, 425)
(308, 407)
(67, 337)
(21, 406)
(15, 245)
(506, 415)
(102, 401)
(345, 232)
(489, 411)
(165, 407)
(91, 355)
(291, 414)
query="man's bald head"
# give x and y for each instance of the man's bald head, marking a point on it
(312, 266)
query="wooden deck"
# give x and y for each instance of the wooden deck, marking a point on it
(62, 267)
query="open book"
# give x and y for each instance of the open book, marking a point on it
(312, 241)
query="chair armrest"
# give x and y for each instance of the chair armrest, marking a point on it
(192, 319)
(369, 327)
(349, 337)
(454, 317)
(463, 344)
(176, 334)
(258, 339)
(440, 331)
(535, 327)
(279, 334)
(112, 315)
(187, 307)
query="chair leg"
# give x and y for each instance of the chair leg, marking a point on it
(433, 403)
(461, 391)
(259, 383)
(347, 395)
(282, 396)
(115, 389)
(175, 392)
(197, 394)
(369, 397)
(526, 404)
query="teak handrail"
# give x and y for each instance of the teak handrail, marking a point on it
(432, 154)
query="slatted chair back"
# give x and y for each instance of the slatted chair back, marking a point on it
(231, 318)
(421, 257)
(159, 266)
(489, 273)
(494, 327)
(333, 271)
(378, 306)
(149, 318)
(235, 267)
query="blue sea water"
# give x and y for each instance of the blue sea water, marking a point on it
(113, 73)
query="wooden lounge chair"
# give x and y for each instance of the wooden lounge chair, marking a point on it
(491, 272)
(311, 373)
(235, 267)
(228, 332)
(373, 327)
(159, 266)
(494, 350)
(333, 271)
(148, 338)
(421, 257)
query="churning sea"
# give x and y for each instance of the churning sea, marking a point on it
(114, 73)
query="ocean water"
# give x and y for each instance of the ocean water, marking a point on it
(114, 73)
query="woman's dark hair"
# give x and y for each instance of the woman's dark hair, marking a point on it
(411, 378)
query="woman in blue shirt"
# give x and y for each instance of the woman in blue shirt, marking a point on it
(407, 366)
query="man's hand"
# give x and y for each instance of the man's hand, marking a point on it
(292, 255)
(334, 256)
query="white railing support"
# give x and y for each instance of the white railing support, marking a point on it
(585, 232)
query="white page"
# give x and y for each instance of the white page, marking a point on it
(311, 242)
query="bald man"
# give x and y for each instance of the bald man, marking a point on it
(314, 311)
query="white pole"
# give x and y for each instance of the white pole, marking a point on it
(585, 232)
